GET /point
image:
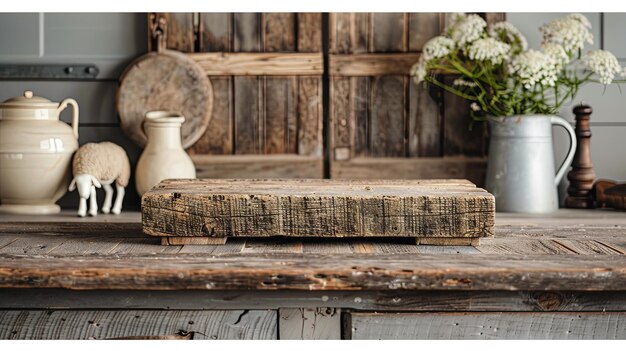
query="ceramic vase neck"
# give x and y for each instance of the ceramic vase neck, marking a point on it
(164, 136)
(163, 129)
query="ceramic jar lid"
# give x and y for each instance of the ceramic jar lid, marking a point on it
(29, 100)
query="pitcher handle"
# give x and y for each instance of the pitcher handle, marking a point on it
(559, 121)
(74, 104)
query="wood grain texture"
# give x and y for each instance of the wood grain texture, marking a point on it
(322, 208)
(391, 300)
(165, 81)
(259, 63)
(309, 32)
(371, 64)
(215, 35)
(295, 271)
(138, 324)
(471, 168)
(180, 32)
(258, 166)
(280, 92)
(309, 323)
(486, 326)
(461, 135)
(310, 116)
(422, 28)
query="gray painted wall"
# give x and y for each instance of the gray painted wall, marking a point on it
(112, 40)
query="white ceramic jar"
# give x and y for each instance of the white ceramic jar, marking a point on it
(36, 150)
(163, 156)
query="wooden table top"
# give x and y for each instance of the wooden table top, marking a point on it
(568, 250)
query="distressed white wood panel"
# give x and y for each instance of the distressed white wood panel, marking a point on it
(137, 324)
(96, 100)
(309, 323)
(19, 34)
(487, 326)
(614, 32)
(529, 23)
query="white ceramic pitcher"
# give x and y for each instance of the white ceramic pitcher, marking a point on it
(520, 170)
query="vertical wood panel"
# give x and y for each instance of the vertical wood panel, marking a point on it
(309, 32)
(458, 138)
(424, 118)
(387, 103)
(422, 27)
(310, 110)
(180, 31)
(216, 35)
(310, 116)
(425, 123)
(248, 91)
(361, 115)
(280, 135)
(340, 117)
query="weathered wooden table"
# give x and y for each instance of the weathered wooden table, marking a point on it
(561, 276)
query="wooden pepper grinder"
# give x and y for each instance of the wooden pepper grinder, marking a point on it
(582, 175)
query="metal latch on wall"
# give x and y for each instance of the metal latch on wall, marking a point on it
(43, 71)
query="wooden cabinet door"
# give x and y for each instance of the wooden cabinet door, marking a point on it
(383, 125)
(266, 71)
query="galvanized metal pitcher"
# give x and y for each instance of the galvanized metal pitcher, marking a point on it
(520, 172)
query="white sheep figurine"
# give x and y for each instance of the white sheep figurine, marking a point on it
(98, 165)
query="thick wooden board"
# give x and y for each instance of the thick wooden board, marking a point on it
(486, 326)
(181, 240)
(317, 208)
(164, 81)
(295, 271)
(137, 324)
(309, 323)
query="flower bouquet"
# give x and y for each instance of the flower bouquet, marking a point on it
(500, 77)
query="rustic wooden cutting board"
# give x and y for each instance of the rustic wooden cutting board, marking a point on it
(207, 211)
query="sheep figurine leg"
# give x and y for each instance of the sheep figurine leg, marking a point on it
(117, 208)
(108, 197)
(86, 185)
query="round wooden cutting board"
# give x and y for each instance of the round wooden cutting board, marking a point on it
(168, 80)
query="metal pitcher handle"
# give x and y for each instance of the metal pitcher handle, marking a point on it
(74, 104)
(559, 121)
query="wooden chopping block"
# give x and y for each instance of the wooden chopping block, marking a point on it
(183, 211)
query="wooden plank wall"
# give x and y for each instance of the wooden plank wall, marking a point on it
(380, 123)
(256, 114)
(383, 124)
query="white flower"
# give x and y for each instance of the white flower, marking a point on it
(489, 49)
(460, 82)
(418, 70)
(466, 29)
(571, 32)
(474, 106)
(452, 19)
(557, 53)
(508, 33)
(437, 47)
(604, 64)
(534, 67)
